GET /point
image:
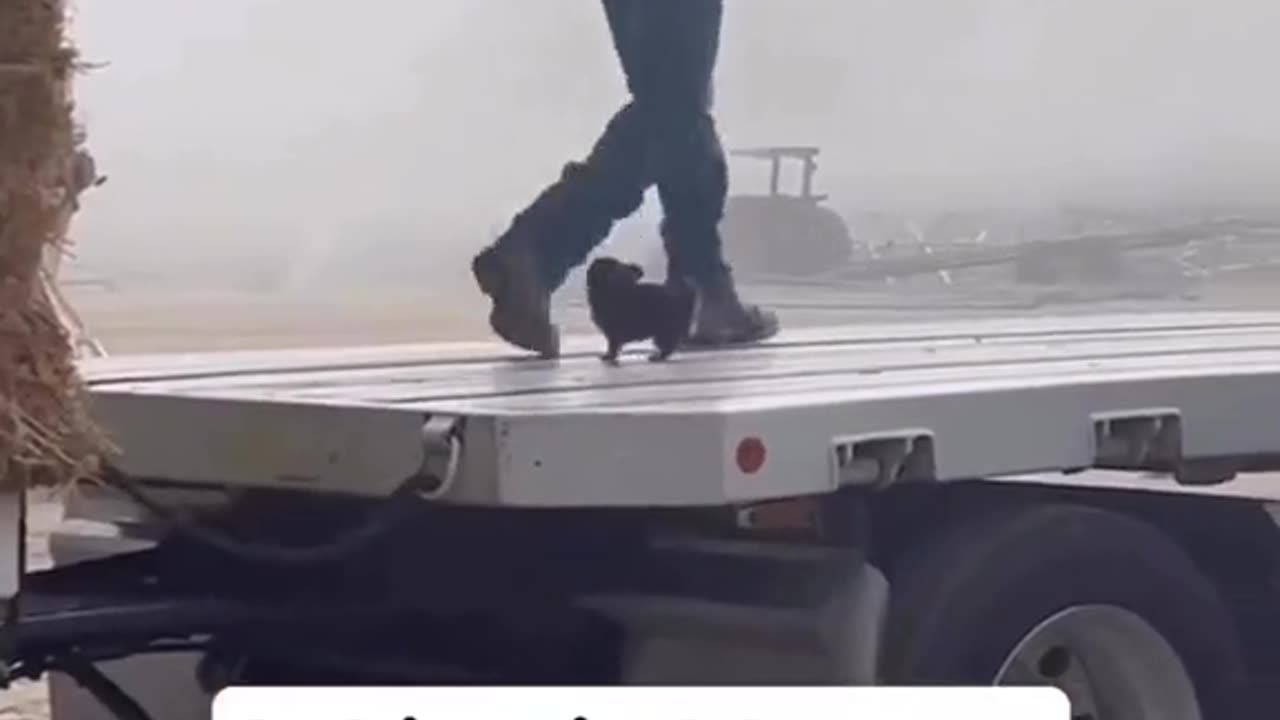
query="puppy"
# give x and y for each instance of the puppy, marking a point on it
(626, 310)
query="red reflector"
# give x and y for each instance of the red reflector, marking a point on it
(798, 514)
(750, 455)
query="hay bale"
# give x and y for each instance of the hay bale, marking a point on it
(46, 434)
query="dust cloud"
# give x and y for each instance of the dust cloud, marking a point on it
(285, 144)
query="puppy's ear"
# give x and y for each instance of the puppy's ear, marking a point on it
(635, 271)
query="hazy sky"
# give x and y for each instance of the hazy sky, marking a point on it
(274, 122)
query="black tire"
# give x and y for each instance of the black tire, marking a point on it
(962, 600)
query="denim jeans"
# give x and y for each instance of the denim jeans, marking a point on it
(665, 135)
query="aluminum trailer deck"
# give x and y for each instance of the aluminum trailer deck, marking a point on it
(1196, 394)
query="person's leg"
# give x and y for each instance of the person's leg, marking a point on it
(675, 91)
(568, 219)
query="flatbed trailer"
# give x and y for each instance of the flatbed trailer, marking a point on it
(1079, 501)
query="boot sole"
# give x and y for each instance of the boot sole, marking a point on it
(519, 329)
(752, 336)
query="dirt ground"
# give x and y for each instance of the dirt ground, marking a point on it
(144, 322)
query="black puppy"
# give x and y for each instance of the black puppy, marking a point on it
(626, 310)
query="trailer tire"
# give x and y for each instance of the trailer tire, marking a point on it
(966, 598)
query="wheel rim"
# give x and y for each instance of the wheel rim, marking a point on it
(1110, 662)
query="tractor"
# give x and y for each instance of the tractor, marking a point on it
(778, 234)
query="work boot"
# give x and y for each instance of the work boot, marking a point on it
(521, 312)
(722, 319)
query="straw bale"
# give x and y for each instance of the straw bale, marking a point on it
(46, 434)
